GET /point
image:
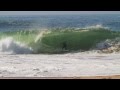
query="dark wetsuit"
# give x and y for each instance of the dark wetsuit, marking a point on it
(64, 45)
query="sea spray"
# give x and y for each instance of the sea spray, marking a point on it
(11, 46)
(40, 35)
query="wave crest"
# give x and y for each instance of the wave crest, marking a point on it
(97, 26)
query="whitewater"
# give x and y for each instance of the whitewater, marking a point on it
(65, 65)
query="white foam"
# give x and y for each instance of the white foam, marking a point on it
(109, 45)
(10, 46)
(97, 26)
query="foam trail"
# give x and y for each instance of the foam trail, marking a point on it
(8, 45)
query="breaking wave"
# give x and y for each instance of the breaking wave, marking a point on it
(8, 45)
(62, 40)
(92, 27)
(98, 26)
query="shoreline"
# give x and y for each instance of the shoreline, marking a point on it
(81, 77)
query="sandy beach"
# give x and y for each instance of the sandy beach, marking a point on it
(87, 77)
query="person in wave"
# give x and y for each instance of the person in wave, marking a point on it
(64, 46)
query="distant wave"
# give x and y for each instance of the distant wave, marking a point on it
(97, 26)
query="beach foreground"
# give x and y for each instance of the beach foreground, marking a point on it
(82, 77)
(61, 66)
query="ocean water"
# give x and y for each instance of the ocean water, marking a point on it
(32, 46)
(59, 21)
(46, 33)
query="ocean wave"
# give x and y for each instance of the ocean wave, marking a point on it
(94, 27)
(58, 41)
(97, 26)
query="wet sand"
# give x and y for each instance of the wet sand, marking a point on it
(82, 77)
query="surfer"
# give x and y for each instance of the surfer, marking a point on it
(64, 46)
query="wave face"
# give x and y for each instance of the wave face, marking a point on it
(62, 40)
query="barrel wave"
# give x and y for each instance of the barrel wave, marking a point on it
(58, 40)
